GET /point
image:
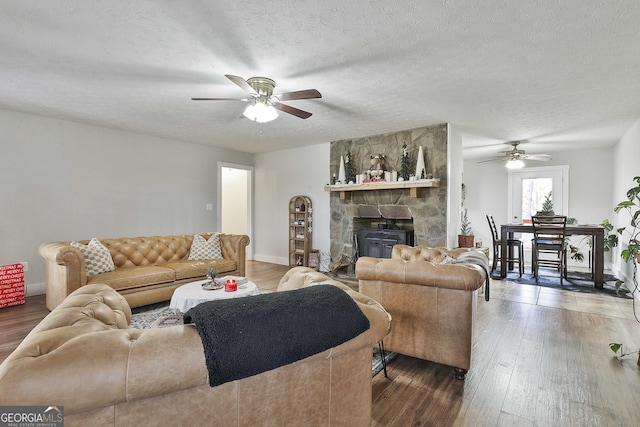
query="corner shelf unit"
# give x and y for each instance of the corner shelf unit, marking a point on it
(300, 229)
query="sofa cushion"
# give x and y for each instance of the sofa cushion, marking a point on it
(205, 249)
(133, 277)
(194, 269)
(97, 257)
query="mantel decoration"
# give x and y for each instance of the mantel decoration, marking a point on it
(350, 172)
(376, 172)
(420, 171)
(380, 172)
(341, 172)
(404, 164)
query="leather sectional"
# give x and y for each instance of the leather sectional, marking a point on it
(83, 356)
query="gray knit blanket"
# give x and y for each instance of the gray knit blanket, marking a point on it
(249, 335)
(480, 259)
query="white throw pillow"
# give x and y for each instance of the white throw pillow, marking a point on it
(205, 249)
(96, 256)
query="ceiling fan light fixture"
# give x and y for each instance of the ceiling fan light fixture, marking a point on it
(514, 164)
(260, 112)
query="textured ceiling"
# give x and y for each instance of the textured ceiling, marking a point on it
(561, 74)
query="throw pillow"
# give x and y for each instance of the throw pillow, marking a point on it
(205, 249)
(96, 256)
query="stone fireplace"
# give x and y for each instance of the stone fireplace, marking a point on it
(425, 215)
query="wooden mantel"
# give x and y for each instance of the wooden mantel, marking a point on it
(413, 186)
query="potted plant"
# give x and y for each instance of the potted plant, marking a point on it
(212, 273)
(465, 238)
(632, 252)
(632, 206)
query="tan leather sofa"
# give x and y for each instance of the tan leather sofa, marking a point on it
(432, 300)
(147, 269)
(83, 356)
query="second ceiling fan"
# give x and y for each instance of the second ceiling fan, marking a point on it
(514, 157)
(263, 102)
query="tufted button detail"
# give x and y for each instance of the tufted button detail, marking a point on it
(135, 251)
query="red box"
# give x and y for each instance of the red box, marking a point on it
(11, 285)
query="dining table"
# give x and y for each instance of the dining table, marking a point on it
(595, 231)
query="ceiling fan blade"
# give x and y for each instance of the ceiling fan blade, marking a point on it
(493, 160)
(220, 99)
(291, 110)
(299, 94)
(538, 157)
(242, 83)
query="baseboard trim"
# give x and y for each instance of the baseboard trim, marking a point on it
(35, 289)
(271, 259)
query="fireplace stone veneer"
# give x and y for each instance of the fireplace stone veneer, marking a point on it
(428, 211)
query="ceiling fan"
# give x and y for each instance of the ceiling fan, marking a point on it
(263, 102)
(514, 157)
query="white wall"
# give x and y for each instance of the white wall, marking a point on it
(590, 183)
(280, 175)
(627, 166)
(61, 180)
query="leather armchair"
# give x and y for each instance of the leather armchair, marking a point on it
(432, 299)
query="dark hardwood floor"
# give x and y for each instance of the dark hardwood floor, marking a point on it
(540, 358)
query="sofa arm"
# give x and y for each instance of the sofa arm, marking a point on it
(234, 248)
(468, 277)
(379, 318)
(65, 271)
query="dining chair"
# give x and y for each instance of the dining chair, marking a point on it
(549, 247)
(511, 245)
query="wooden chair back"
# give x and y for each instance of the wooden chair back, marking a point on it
(494, 229)
(549, 232)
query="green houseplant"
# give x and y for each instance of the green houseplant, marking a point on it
(212, 273)
(632, 207)
(465, 238)
(632, 252)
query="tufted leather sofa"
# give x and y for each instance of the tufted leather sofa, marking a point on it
(83, 356)
(147, 269)
(432, 300)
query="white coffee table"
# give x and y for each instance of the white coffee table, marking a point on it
(192, 294)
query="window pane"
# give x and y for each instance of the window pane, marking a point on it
(534, 191)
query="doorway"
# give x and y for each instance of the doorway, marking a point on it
(235, 201)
